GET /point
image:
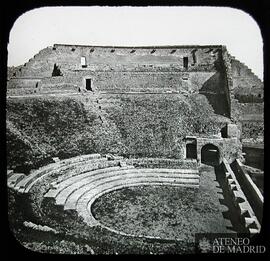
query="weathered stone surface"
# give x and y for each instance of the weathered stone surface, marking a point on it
(118, 76)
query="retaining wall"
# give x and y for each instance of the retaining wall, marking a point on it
(245, 212)
(250, 189)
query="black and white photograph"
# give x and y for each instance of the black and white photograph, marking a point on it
(135, 130)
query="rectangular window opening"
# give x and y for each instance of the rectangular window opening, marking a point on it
(83, 61)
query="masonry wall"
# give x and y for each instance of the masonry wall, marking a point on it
(193, 100)
(245, 82)
(123, 59)
(248, 89)
(144, 70)
(152, 125)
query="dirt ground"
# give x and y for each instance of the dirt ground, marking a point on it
(166, 211)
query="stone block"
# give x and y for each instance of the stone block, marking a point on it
(122, 164)
(56, 159)
(233, 131)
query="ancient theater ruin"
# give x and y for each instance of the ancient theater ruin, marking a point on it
(89, 127)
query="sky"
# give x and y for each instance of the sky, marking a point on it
(137, 26)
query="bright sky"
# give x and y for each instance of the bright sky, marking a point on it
(137, 26)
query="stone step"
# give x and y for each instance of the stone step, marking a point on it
(81, 158)
(231, 182)
(228, 175)
(111, 170)
(33, 176)
(26, 184)
(243, 208)
(250, 222)
(72, 196)
(163, 170)
(254, 231)
(247, 68)
(238, 196)
(86, 166)
(83, 180)
(73, 179)
(10, 172)
(90, 164)
(87, 181)
(113, 157)
(233, 187)
(14, 179)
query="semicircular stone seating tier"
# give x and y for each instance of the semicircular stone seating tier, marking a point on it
(71, 167)
(79, 192)
(77, 182)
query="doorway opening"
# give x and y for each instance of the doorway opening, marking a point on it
(185, 61)
(191, 151)
(88, 84)
(210, 155)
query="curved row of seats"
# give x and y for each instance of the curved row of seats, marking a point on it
(77, 182)
(79, 192)
(70, 167)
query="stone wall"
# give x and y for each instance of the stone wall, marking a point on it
(162, 163)
(244, 80)
(130, 125)
(250, 189)
(248, 89)
(183, 99)
(128, 69)
(229, 148)
(23, 83)
(68, 58)
(252, 109)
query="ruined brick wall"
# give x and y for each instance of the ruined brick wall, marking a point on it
(23, 83)
(248, 91)
(252, 109)
(184, 70)
(245, 82)
(107, 59)
(197, 98)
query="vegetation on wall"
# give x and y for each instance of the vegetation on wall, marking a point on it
(142, 126)
(154, 126)
(252, 129)
(41, 128)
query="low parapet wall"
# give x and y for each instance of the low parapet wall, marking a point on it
(250, 189)
(162, 163)
(245, 211)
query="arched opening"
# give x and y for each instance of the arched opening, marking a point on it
(191, 151)
(210, 155)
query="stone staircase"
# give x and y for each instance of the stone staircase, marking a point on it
(79, 192)
(250, 72)
(244, 209)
